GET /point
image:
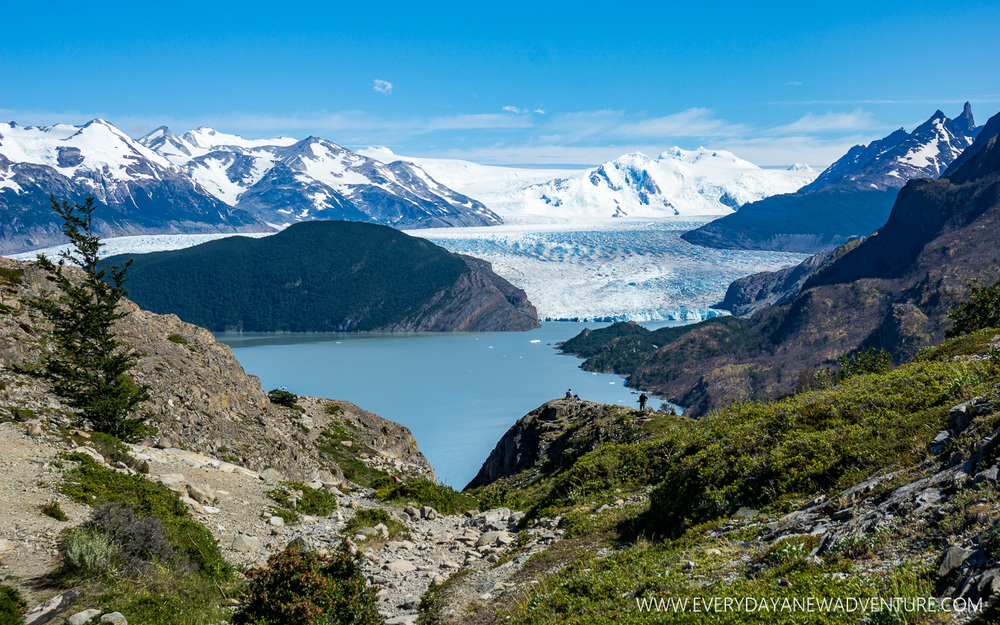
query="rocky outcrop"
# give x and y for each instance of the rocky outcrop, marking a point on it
(555, 434)
(479, 301)
(202, 399)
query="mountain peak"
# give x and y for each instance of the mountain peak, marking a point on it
(965, 122)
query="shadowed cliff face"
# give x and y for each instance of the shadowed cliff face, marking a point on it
(891, 291)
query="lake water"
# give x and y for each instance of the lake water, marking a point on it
(457, 392)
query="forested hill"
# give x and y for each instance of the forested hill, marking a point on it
(327, 276)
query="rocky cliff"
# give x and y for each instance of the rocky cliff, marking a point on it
(555, 434)
(202, 399)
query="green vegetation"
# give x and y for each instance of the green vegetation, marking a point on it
(282, 397)
(12, 606)
(94, 485)
(444, 499)
(305, 588)
(869, 361)
(298, 497)
(89, 364)
(20, 415)
(348, 457)
(54, 510)
(141, 553)
(771, 456)
(621, 347)
(371, 517)
(177, 338)
(980, 311)
(113, 450)
(312, 276)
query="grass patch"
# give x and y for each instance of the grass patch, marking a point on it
(301, 498)
(113, 450)
(373, 516)
(444, 499)
(348, 458)
(177, 338)
(54, 510)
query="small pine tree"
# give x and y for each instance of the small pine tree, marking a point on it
(89, 364)
(980, 311)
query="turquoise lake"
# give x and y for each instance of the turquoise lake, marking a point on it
(457, 392)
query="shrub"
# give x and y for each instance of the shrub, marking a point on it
(312, 501)
(95, 485)
(137, 539)
(980, 311)
(89, 552)
(12, 606)
(177, 338)
(113, 450)
(305, 588)
(282, 397)
(54, 510)
(869, 361)
(442, 498)
(373, 516)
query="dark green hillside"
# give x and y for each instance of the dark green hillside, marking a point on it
(313, 276)
(806, 221)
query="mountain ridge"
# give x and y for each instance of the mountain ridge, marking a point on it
(852, 197)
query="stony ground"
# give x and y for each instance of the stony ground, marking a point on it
(232, 502)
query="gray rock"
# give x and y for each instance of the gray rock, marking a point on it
(34, 430)
(747, 513)
(90, 452)
(400, 566)
(953, 559)
(114, 618)
(516, 517)
(271, 475)
(333, 490)
(411, 602)
(246, 544)
(82, 617)
(989, 476)
(940, 442)
(276, 521)
(201, 494)
(45, 612)
(428, 513)
(6, 547)
(959, 416)
(493, 538)
(174, 481)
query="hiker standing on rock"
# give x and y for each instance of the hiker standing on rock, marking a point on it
(642, 402)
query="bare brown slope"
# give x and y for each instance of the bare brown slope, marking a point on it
(893, 291)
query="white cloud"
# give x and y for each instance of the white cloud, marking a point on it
(793, 83)
(383, 86)
(694, 122)
(514, 109)
(828, 122)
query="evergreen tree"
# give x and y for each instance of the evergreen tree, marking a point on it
(88, 364)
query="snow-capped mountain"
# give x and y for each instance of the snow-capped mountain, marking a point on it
(889, 162)
(285, 180)
(143, 192)
(679, 182)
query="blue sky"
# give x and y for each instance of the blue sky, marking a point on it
(540, 82)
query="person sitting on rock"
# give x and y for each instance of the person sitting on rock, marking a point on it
(569, 393)
(642, 402)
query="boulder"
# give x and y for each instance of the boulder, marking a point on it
(114, 618)
(246, 544)
(174, 481)
(953, 559)
(6, 547)
(202, 494)
(400, 566)
(45, 612)
(83, 617)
